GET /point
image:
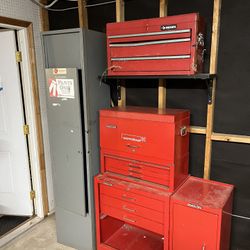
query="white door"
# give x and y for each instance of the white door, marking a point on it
(15, 183)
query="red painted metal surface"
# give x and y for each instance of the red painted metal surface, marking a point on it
(132, 44)
(200, 215)
(131, 215)
(146, 143)
(145, 171)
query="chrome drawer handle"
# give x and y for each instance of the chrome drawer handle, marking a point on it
(127, 219)
(132, 146)
(133, 171)
(128, 209)
(128, 198)
(108, 184)
(169, 32)
(111, 126)
(143, 58)
(136, 44)
(203, 247)
(133, 166)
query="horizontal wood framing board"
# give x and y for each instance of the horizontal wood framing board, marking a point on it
(231, 138)
(197, 130)
(221, 136)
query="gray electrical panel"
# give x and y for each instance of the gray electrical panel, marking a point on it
(74, 59)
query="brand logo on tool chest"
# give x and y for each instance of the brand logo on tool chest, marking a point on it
(169, 27)
(134, 138)
(194, 206)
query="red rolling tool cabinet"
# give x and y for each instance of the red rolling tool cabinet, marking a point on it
(172, 45)
(145, 143)
(131, 216)
(200, 215)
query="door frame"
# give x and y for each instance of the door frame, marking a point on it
(32, 107)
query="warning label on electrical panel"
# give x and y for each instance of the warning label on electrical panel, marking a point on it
(61, 88)
(60, 71)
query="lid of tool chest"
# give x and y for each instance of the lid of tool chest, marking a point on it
(143, 113)
(204, 193)
(183, 18)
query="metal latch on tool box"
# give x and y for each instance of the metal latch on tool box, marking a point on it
(183, 131)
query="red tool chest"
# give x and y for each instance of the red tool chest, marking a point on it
(131, 216)
(172, 45)
(200, 215)
(145, 143)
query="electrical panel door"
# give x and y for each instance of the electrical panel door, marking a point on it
(66, 138)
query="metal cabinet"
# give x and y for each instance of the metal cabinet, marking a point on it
(200, 215)
(74, 59)
(131, 216)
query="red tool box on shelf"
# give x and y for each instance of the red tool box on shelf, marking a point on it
(172, 45)
(146, 143)
(131, 216)
(200, 215)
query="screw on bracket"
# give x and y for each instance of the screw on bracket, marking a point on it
(210, 90)
(118, 90)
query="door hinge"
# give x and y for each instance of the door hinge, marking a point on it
(18, 56)
(26, 129)
(32, 194)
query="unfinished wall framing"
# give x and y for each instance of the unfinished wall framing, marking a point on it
(211, 134)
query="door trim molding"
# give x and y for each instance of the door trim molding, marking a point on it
(32, 104)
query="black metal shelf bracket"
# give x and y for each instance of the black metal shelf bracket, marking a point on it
(208, 78)
(210, 90)
(119, 89)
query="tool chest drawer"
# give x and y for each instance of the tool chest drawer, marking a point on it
(145, 134)
(129, 194)
(144, 171)
(131, 208)
(158, 46)
(133, 219)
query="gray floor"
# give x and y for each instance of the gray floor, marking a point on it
(41, 236)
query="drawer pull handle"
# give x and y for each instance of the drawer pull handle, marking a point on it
(203, 247)
(108, 184)
(128, 198)
(133, 166)
(112, 45)
(111, 126)
(168, 32)
(135, 172)
(127, 219)
(128, 209)
(132, 146)
(144, 58)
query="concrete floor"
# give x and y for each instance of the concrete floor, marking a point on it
(42, 237)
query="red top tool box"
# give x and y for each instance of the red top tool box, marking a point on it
(145, 143)
(172, 45)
